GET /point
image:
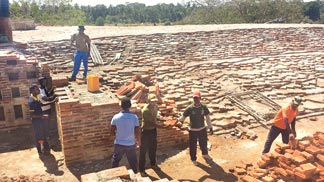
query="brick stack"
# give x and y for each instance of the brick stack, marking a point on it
(304, 163)
(138, 88)
(17, 74)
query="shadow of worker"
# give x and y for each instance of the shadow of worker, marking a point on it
(215, 172)
(51, 164)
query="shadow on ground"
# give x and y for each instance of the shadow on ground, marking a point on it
(15, 140)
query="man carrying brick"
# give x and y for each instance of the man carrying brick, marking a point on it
(149, 133)
(82, 43)
(125, 127)
(37, 118)
(197, 113)
(283, 123)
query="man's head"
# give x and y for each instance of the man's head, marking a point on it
(152, 99)
(125, 103)
(296, 101)
(33, 89)
(196, 97)
(42, 81)
(81, 28)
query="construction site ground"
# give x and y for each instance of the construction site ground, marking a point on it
(18, 155)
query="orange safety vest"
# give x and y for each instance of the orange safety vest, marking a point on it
(284, 112)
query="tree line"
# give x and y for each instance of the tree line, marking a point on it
(62, 12)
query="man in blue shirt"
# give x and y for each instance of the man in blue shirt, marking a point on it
(125, 127)
(37, 118)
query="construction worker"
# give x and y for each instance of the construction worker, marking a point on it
(149, 133)
(197, 113)
(284, 124)
(125, 127)
(46, 99)
(82, 43)
(37, 118)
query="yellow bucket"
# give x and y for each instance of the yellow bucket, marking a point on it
(93, 83)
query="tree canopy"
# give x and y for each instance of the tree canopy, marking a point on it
(62, 12)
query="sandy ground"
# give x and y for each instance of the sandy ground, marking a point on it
(227, 151)
(19, 157)
(45, 33)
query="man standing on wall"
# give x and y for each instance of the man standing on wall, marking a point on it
(197, 113)
(125, 127)
(149, 133)
(82, 43)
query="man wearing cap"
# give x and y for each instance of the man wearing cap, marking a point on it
(149, 133)
(283, 123)
(82, 43)
(37, 119)
(197, 113)
(125, 127)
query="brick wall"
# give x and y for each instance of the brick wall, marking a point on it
(84, 130)
(16, 76)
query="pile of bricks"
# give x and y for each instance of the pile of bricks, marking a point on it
(299, 161)
(138, 89)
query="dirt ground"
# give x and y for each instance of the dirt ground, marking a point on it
(18, 155)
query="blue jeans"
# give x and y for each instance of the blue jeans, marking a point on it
(78, 56)
(273, 134)
(201, 136)
(120, 150)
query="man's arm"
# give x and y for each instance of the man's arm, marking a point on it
(209, 125)
(113, 130)
(89, 46)
(293, 127)
(138, 135)
(287, 124)
(72, 39)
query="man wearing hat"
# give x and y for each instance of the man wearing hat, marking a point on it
(197, 113)
(283, 123)
(37, 119)
(149, 133)
(82, 43)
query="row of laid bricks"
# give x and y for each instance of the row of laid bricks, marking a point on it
(299, 161)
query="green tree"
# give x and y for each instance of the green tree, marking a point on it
(100, 21)
(312, 10)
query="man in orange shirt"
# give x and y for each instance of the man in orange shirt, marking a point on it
(284, 123)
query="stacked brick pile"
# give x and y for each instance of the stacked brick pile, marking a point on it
(300, 161)
(138, 89)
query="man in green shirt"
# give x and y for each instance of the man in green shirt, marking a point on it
(149, 133)
(197, 113)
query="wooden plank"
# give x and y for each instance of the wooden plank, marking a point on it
(95, 55)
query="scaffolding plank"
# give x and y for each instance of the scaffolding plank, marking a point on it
(95, 55)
